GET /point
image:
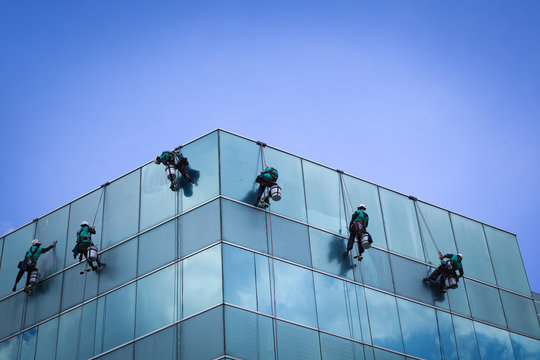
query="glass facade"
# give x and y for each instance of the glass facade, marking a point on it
(201, 273)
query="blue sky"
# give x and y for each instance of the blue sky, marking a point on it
(436, 99)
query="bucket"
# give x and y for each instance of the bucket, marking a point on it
(34, 277)
(452, 282)
(364, 240)
(275, 193)
(170, 170)
(91, 253)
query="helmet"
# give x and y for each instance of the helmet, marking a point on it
(460, 256)
(362, 206)
(84, 223)
(35, 242)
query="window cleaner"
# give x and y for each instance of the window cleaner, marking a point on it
(357, 228)
(86, 247)
(446, 272)
(267, 179)
(173, 161)
(29, 265)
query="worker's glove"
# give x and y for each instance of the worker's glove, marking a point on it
(440, 257)
(54, 243)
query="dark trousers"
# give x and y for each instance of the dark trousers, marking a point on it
(350, 243)
(28, 270)
(263, 184)
(83, 251)
(442, 273)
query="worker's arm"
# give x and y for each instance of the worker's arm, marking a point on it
(92, 230)
(44, 250)
(460, 272)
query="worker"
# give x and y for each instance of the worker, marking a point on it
(447, 269)
(173, 161)
(29, 263)
(266, 179)
(84, 241)
(357, 227)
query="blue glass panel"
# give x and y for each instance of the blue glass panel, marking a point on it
(28, 346)
(292, 203)
(207, 329)
(9, 348)
(248, 335)
(201, 285)
(446, 333)
(244, 226)
(12, 314)
(45, 300)
(77, 287)
(15, 246)
(68, 334)
(336, 348)
(161, 345)
(327, 253)
(465, 338)
(290, 240)
(362, 192)
(386, 355)
(493, 343)
(525, 348)
(203, 169)
(239, 277)
(408, 279)
(295, 298)
(199, 228)
(121, 217)
(295, 342)
(401, 224)
(264, 286)
(421, 339)
(46, 341)
(324, 198)
(87, 330)
(383, 316)
(485, 303)
(156, 300)
(363, 314)
(374, 270)
(119, 316)
(157, 247)
(471, 243)
(520, 314)
(121, 265)
(50, 228)
(1, 248)
(458, 299)
(158, 202)
(123, 353)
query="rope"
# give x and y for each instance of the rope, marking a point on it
(425, 223)
(97, 208)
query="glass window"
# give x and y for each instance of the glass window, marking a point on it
(524, 347)
(201, 285)
(161, 345)
(362, 192)
(239, 277)
(472, 244)
(422, 338)
(46, 341)
(45, 300)
(291, 181)
(199, 228)
(207, 329)
(9, 349)
(248, 335)
(123, 353)
(77, 287)
(383, 317)
(28, 346)
(121, 218)
(156, 300)
(203, 169)
(333, 347)
(408, 277)
(387, 355)
(324, 198)
(466, 338)
(296, 342)
(158, 201)
(87, 330)
(121, 265)
(295, 298)
(87, 208)
(244, 226)
(264, 286)
(401, 224)
(493, 343)
(507, 262)
(363, 314)
(68, 335)
(50, 228)
(520, 314)
(290, 240)
(327, 253)
(12, 312)
(446, 333)
(157, 247)
(374, 270)
(15, 246)
(1, 248)
(458, 299)
(118, 316)
(485, 303)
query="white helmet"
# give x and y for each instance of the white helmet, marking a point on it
(35, 242)
(362, 206)
(84, 223)
(460, 256)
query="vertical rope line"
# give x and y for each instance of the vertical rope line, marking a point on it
(427, 227)
(81, 317)
(453, 327)
(97, 208)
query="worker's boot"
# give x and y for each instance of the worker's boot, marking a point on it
(14, 288)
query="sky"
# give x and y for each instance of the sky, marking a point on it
(436, 99)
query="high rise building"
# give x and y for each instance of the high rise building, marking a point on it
(201, 273)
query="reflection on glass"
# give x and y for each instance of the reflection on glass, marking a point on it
(121, 265)
(485, 303)
(158, 202)
(28, 346)
(47, 334)
(295, 342)
(438, 221)
(290, 240)
(264, 286)
(244, 226)
(493, 343)
(458, 299)
(118, 316)
(68, 331)
(336, 348)
(9, 348)
(520, 314)
(446, 333)
(525, 347)
(15, 246)
(77, 286)
(12, 311)
(374, 270)
(408, 277)
(52, 228)
(199, 228)
(45, 300)
(125, 352)
(383, 316)
(157, 247)
(239, 277)
(466, 338)
(207, 329)
(327, 253)
(161, 345)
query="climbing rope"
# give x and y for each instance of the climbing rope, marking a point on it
(415, 200)
(99, 202)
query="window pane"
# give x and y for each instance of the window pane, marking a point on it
(446, 333)
(203, 169)
(422, 338)
(45, 300)
(327, 253)
(244, 226)
(401, 224)
(121, 354)
(408, 279)
(156, 300)
(264, 286)
(121, 265)
(77, 286)
(295, 299)
(493, 343)
(336, 348)
(68, 334)
(15, 246)
(50, 228)
(324, 198)
(362, 192)
(12, 313)
(46, 341)
(386, 355)
(295, 342)
(157, 247)
(121, 218)
(472, 244)
(485, 303)
(199, 228)
(291, 181)
(248, 335)
(520, 314)
(10, 348)
(239, 277)
(458, 299)
(508, 265)
(28, 346)
(158, 202)
(118, 316)
(202, 285)
(525, 348)
(374, 270)
(161, 345)
(290, 240)
(466, 338)
(363, 314)
(207, 329)
(87, 330)
(383, 317)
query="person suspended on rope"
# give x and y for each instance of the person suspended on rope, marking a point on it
(266, 179)
(85, 247)
(357, 227)
(29, 264)
(173, 161)
(447, 271)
